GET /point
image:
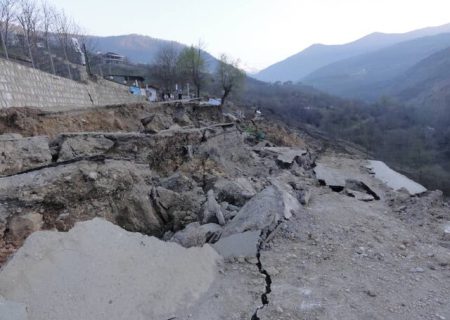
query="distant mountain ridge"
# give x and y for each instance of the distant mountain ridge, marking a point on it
(368, 76)
(298, 66)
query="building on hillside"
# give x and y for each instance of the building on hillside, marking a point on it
(152, 93)
(113, 58)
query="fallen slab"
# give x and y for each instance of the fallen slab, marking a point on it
(394, 179)
(238, 245)
(263, 210)
(12, 310)
(100, 271)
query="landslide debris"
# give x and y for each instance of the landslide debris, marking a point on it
(305, 231)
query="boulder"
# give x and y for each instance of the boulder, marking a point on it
(79, 145)
(196, 235)
(291, 204)
(156, 123)
(20, 154)
(262, 211)
(180, 117)
(99, 271)
(236, 192)
(213, 211)
(178, 209)
(178, 183)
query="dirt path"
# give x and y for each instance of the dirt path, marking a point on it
(347, 259)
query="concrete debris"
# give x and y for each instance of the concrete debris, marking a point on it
(394, 179)
(238, 245)
(359, 195)
(75, 145)
(196, 235)
(285, 156)
(156, 122)
(100, 271)
(178, 209)
(237, 191)
(331, 177)
(262, 211)
(20, 154)
(213, 211)
(291, 204)
(12, 310)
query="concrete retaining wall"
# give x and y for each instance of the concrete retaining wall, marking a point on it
(21, 86)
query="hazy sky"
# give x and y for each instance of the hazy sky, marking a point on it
(259, 32)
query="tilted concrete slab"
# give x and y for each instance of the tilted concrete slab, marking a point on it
(393, 179)
(98, 271)
(12, 310)
(238, 245)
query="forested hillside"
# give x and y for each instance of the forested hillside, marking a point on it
(413, 139)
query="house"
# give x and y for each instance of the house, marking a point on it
(152, 93)
(113, 58)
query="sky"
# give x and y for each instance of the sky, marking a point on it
(258, 32)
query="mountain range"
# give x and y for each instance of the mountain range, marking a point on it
(298, 66)
(408, 67)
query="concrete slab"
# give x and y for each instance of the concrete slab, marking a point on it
(238, 245)
(98, 271)
(12, 310)
(394, 179)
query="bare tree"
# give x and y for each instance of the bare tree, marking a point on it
(229, 76)
(63, 26)
(193, 66)
(48, 24)
(28, 17)
(165, 66)
(7, 14)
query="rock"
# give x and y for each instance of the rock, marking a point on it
(78, 145)
(213, 211)
(156, 122)
(285, 156)
(100, 271)
(178, 183)
(10, 136)
(394, 179)
(329, 176)
(442, 258)
(178, 209)
(228, 117)
(20, 227)
(417, 270)
(12, 310)
(238, 245)
(65, 194)
(263, 210)
(236, 192)
(290, 202)
(196, 235)
(20, 154)
(359, 195)
(181, 118)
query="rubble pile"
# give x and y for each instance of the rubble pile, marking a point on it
(239, 221)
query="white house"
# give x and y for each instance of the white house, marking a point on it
(151, 93)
